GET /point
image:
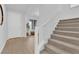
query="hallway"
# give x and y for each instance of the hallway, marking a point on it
(55, 29)
(19, 45)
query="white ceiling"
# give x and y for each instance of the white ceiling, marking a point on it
(74, 5)
(24, 8)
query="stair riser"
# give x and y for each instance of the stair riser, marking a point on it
(75, 42)
(69, 25)
(69, 21)
(68, 29)
(62, 47)
(67, 34)
(50, 51)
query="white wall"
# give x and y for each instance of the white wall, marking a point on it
(48, 20)
(74, 5)
(48, 12)
(67, 12)
(3, 31)
(16, 24)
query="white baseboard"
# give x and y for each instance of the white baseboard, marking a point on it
(3, 47)
(42, 46)
(15, 37)
(43, 43)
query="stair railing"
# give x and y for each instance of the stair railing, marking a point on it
(42, 34)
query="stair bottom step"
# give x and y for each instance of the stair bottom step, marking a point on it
(48, 51)
(65, 48)
(43, 52)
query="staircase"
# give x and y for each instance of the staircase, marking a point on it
(65, 38)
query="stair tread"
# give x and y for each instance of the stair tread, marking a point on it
(67, 31)
(63, 47)
(68, 27)
(66, 39)
(66, 44)
(69, 21)
(67, 24)
(71, 38)
(57, 50)
(75, 29)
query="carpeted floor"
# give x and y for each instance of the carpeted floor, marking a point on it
(19, 45)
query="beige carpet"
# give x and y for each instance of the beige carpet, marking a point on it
(19, 45)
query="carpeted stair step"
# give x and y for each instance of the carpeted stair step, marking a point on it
(67, 33)
(74, 20)
(76, 29)
(67, 39)
(68, 25)
(55, 49)
(70, 48)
